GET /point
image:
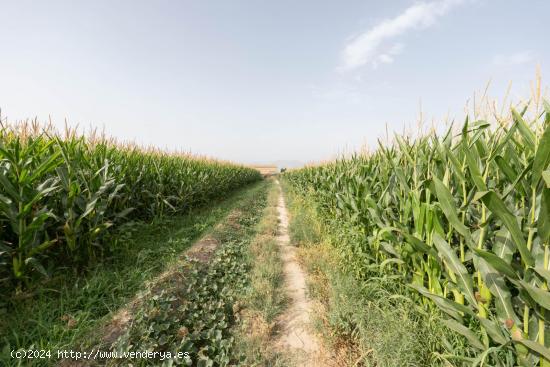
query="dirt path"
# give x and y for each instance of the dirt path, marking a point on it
(295, 337)
(201, 251)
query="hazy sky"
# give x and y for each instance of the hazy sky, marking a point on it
(262, 80)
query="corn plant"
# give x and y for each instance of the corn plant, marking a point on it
(464, 218)
(26, 186)
(60, 197)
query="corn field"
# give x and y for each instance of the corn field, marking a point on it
(60, 197)
(463, 218)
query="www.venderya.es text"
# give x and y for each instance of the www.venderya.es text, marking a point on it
(94, 354)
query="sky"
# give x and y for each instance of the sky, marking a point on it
(263, 81)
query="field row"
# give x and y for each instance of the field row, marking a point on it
(464, 219)
(62, 197)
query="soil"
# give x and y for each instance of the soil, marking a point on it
(295, 336)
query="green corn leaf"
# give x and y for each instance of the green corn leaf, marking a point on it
(542, 157)
(497, 263)
(37, 224)
(43, 190)
(469, 334)
(464, 279)
(456, 165)
(473, 168)
(6, 154)
(168, 204)
(124, 212)
(494, 330)
(519, 179)
(504, 247)
(90, 207)
(5, 201)
(525, 131)
(419, 245)
(401, 178)
(452, 308)
(35, 264)
(10, 211)
(388, 247)
(497, 207)
(535, 347)
(42, 247)
(503, 142)
(387, 262)
(543, 273)
(63, 174)
(446, 203)
(541, 296)
(47, 165)
(9, 188)
(505, 168)
(543, 222)
(498, 288)
(546, 178)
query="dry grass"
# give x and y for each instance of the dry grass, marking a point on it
(266, 299)
(266, 170)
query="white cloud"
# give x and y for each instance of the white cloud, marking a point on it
(517, 58)
(369, 47)
(389, 56)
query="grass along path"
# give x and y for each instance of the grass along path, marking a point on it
(194, 307)
(265, 298)
(363, 322)
(62, 312)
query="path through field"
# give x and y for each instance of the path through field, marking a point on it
(295, 337)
